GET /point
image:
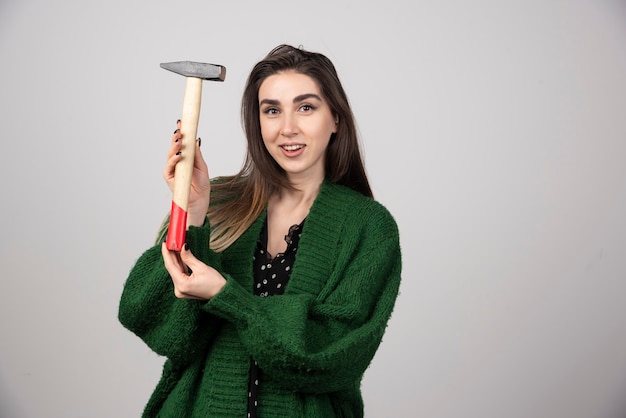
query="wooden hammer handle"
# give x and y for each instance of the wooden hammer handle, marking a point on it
(184, 168)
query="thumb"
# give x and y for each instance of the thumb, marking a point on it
(199, 159)
(188, 258)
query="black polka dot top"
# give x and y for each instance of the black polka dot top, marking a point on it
(271, 275)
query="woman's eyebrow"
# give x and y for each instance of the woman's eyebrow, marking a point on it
(306, 96)
(270, 102)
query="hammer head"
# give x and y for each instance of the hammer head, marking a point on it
(197, 69)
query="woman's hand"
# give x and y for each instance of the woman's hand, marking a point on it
(200, 184)
(203, 283)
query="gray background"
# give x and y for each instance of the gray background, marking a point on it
(494, 131)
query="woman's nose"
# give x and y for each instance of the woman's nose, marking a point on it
(289, 126)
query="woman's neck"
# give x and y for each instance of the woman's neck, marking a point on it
(298, 199)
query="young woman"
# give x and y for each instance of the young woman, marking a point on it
(279, 300)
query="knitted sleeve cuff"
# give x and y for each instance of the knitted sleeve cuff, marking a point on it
(232, 303)
(198, 240)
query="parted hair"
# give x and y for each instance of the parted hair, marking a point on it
(238, 200)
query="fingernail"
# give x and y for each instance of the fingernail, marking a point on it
(186, 247)
(178, 121)
(177, 131)
(199, 141)
(178, 153)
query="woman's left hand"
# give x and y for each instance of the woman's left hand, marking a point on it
(203, 282)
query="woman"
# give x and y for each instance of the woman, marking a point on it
(279, 299)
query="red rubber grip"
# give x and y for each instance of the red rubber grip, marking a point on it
(177, 228)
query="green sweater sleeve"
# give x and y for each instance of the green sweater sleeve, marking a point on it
(176, 328)
(324, 342)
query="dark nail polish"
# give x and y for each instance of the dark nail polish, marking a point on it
(199, 141)
(186, 247)
(177, 131)
(178, 153)
(178, 121)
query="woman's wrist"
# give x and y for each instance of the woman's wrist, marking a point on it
(195, 220)
(196, 215)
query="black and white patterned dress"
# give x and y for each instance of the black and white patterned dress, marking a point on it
(271, 275)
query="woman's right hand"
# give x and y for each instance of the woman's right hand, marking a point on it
(199, 194)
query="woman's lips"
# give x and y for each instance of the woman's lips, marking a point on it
(292, 150)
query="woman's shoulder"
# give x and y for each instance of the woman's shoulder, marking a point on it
(356, 207)
(350, 196)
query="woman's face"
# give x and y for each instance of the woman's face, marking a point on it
(296, 124)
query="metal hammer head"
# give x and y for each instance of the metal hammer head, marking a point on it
(197, 69)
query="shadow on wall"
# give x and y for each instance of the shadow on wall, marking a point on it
(8, 405)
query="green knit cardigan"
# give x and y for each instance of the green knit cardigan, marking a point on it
(312, 344)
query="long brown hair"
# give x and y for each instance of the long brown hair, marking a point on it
(236, 201)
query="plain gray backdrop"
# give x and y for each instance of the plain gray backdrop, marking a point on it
(494, 131)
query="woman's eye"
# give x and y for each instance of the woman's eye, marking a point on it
(307, 107)
(270, 111)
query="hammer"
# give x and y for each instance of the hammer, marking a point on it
(195, 72)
